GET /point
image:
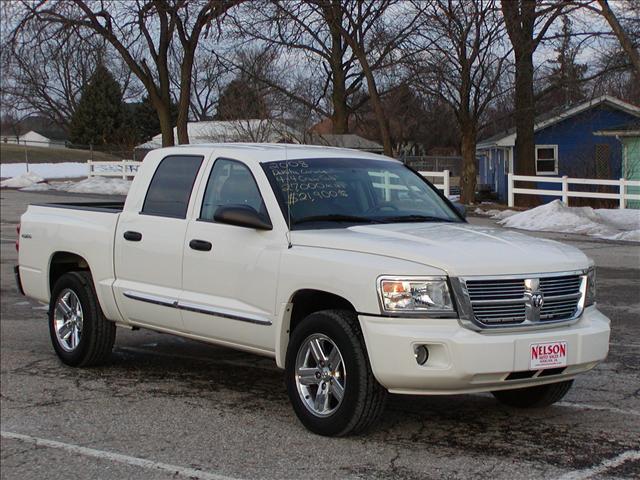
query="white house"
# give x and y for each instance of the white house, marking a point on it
(232, 131)
(35, 139)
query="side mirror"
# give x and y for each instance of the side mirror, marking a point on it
(242, 216)
(461, 210)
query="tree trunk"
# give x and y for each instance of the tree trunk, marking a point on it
(525, 159)
(164, 116)
(340, 116)
(374, 97)
(469, 163)
(184, 98)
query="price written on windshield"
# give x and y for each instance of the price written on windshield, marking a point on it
(305, 184)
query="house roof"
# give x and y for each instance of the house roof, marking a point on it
(347, 140)
(508, 138)
(51, 134)
(631, 129)
(218, 131)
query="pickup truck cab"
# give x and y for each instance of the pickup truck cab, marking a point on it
(355, 274)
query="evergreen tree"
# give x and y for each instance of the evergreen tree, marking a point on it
(99, 115)
(241, 101)
(565, 81)
(141, 123)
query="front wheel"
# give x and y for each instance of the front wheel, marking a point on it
(534, 397)
(329, 380)
(80, 333)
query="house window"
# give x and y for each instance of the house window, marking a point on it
(546, 159)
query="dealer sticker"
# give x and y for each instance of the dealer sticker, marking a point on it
(548, 355)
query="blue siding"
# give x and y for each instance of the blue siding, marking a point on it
(492, 170)
(576, 149)
(576, 142)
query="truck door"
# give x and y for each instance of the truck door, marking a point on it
(148, 252)
(230, 272)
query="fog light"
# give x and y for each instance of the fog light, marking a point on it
(422, 354)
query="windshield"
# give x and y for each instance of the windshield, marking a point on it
(334, 192)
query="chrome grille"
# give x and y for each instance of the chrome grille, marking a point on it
(508, 301)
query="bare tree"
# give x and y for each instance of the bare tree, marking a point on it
(623, 36)
(142, 33)
(45, 74)
(308, 33)
(462, 64)
(375, 35)
(339, 45)
(527, 23)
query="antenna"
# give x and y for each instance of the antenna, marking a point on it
(286, 163)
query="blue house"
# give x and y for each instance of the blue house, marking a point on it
(566, 144)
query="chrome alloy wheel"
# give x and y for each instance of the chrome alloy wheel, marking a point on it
(67, 320)
(320, 375)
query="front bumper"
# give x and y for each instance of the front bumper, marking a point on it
(465, 361)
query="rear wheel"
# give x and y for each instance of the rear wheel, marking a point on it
(329, 380)
(80, 333)
(534, 397)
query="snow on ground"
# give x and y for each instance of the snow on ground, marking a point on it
(103, 185)
(20, 181)
(611, 224)
(36, 180)
(98, 185)
(46, 170)
(495, 213)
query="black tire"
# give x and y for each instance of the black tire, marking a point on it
(98, 334)
(534, 397)
(364, 398)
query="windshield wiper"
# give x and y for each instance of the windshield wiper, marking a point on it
(335, 217)
(417, 218)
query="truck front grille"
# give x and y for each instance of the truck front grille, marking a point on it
(516, 301)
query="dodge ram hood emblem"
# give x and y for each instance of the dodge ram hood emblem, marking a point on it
(537, 299)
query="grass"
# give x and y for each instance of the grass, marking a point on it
(16, 154)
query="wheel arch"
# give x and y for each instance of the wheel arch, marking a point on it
(304, 302)
(62, 262)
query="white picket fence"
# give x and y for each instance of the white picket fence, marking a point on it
(123, 169)
(445, 186)
(622, 196)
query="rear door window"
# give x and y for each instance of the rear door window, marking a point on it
(170, 188)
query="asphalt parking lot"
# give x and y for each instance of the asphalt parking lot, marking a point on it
(172, 408)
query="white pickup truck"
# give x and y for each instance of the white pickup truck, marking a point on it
(349, 269)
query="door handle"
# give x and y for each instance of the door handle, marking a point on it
(201, 245)
(132, 236)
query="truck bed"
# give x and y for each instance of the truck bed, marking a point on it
(106, 207)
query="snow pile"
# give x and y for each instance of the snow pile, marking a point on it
(97, 185)
(557, 217)
(46, 170)
(102, 185)
(23, 180)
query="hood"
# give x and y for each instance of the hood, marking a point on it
(457, 248)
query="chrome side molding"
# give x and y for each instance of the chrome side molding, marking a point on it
(196, 307)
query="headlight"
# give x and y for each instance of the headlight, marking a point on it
(421, 295)
(590, 297)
